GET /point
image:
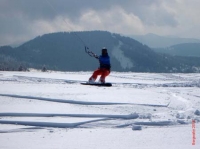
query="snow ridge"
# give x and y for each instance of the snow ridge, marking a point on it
(129, 116)
(80, 102)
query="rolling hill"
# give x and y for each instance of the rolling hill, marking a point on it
(65, 51)
(185, 49)
(156, 41)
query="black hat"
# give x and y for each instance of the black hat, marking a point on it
(104, 49)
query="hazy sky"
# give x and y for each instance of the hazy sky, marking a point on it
(22, 20)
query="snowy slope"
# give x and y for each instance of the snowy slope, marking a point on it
(124, 61)
(52, 110)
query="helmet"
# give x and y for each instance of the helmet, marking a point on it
(104, 49)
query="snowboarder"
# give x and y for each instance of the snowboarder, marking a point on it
(104, 69)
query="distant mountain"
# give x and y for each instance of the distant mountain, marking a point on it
(155, 41)
(65, 51)
(185, 49)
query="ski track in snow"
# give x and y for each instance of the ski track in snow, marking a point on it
(78, 102)
(177, 111)
(61, 100)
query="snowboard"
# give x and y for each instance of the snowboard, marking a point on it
(98, 84)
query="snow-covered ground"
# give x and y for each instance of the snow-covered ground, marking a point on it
(52, 110)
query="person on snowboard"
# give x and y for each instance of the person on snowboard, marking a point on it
(104, 69)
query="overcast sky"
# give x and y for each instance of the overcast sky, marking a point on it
(22, 20)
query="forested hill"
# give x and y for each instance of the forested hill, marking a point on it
(65, 51)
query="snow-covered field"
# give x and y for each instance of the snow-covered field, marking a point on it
(52, 110)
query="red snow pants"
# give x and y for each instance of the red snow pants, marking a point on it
(103, 72)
